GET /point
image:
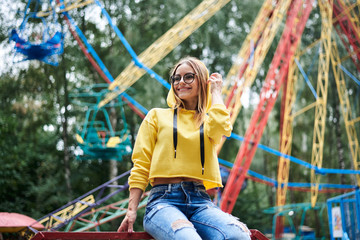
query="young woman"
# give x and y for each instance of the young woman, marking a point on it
(175, 152)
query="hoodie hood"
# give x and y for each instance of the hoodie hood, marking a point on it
(171, 101)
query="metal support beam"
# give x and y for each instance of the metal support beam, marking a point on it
(297, 16)
(321, 91)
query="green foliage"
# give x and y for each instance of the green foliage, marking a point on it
(27, 151)
(250, 205)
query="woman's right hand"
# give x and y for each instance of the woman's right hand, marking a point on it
(127, 225)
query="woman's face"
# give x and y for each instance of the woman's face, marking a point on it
(187, 92)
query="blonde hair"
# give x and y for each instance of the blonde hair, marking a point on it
(202, 75)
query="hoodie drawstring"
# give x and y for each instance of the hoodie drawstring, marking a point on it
(175, 130)
(202, 148)
(202, 142)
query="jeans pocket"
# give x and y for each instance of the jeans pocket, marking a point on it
(153, 209)
(203, 194)
(155, 196)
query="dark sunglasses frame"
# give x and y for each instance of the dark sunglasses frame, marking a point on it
(177, 81)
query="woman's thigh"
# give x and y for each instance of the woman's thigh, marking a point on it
(164, 221)
(212, 223)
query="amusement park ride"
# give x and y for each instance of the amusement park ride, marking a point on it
(283, 73)
(97, 139)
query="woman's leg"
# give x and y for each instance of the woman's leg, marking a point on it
(164, 221)
(212, 223)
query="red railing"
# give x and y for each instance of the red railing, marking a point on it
(255, 235)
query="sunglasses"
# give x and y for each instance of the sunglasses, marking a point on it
(188, 78)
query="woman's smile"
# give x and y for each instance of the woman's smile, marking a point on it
(182, 89)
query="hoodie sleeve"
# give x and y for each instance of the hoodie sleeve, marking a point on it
(218, 123)
(142, 152)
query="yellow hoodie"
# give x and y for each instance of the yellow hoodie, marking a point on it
(153, 154)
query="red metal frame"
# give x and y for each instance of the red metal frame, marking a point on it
(344, 25)
(295, 23)
(91, 235)
(255, 235)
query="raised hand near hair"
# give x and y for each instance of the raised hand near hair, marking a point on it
(216, 82)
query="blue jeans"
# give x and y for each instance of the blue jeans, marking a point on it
(185, 211)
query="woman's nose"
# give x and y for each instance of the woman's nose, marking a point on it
(182, 80)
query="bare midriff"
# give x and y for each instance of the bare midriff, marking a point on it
(158, 181)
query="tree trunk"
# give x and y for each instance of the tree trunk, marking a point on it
(113, 163)
(61, 78)
(65, 137)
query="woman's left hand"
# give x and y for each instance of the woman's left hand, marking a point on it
(216, 82)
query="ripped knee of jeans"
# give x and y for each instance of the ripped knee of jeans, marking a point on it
(180, 224)
(241, 225)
